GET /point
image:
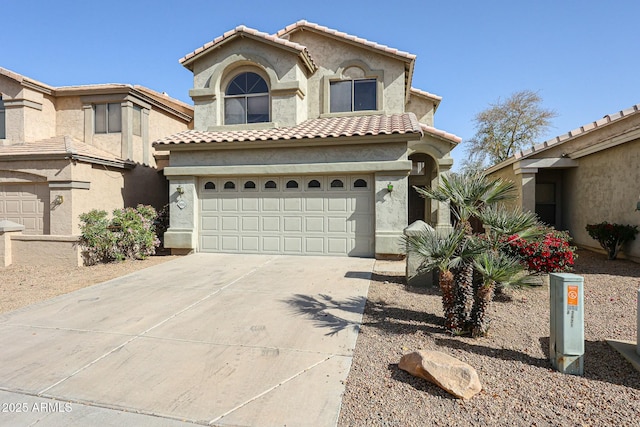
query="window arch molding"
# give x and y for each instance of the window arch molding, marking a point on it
(247, 90)
(343, 73)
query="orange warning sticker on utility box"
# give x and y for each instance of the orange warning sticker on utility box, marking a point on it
(572, 296)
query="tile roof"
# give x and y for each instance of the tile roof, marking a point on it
(310, 25)
(329, 127)
(59, 145)
(426, 94)
(440, 133)
(244, 30)
(589, 127)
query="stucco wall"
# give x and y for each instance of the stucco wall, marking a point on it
(422, 108)
(70, 117)
(330, 54)
(604, 187)
(508, 174)
(267, 156)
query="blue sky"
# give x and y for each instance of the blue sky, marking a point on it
(582, 56)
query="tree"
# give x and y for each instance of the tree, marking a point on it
(507, 127)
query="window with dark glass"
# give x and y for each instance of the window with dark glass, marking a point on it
(292, 184)
(270, 184)
(246, 100)
(360, 183)
(336, 183)
(249, 185)
(3, 126)
(209, 186)
(314, 183)
(229, 185)
(353, 95)
(108, 118)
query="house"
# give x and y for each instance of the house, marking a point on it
(306, 141)
(586, 176)
(67, 150)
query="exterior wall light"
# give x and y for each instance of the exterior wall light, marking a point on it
(180, 190)
(389, 187)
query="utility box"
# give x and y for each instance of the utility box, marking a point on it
(566, 339)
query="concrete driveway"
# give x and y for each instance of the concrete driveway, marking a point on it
(213, 339)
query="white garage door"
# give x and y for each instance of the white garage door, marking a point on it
(25, 204)
(331, 215)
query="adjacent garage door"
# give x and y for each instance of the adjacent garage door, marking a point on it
(25, 204)
(331, 215)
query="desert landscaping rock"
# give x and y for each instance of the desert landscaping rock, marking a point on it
(450, 374)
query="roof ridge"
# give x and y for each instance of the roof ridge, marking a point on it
(304, 23)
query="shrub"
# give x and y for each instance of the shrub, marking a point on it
(130, 234)
(549, 253)
(612, 236)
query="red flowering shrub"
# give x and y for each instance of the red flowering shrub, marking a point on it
(550, 253)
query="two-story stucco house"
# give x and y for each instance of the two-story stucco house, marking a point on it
(67, 150)
(306, 141)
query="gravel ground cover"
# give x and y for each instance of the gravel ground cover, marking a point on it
(520, 388)
(25, 285)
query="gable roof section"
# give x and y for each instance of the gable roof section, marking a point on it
(27, 82)
(243, 31)
(569, 136)
(62, 147)
(322, 128)
(408, 58)
(426, 95)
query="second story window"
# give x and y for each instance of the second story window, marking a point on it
(108, 118)
(246, 100)
(3, 126)
(353, 95)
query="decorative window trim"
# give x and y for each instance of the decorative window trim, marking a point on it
(229, 185)
(212, 187)
(296, 188)
(234, 74)
(248, 183)
(333, 180)
(274, 181)
(356, 184)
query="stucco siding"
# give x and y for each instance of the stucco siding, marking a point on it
(70, 117)
(267, 156)
(604, 187)
(330, 55)
(422, 108)
(508, 174)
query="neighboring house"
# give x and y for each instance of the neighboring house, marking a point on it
(586, 176)
(306, 141)
(67, 150)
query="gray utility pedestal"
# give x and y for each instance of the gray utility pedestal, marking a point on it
(415, 278)
(566, 340)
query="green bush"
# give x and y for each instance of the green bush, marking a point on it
(130, 234)
(612, 236)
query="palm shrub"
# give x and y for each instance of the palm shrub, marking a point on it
(481, 256)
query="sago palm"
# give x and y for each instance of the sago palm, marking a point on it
(441, 251)
(494, 267)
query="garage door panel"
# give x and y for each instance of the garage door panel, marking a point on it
(292, 245)
(292, 204)
(270, 223)
(271, 244)
(230, 243)
(314, 245)
(26, 204)
(209, 223)
(304, 220)
(230, 223)
(250, 204)
(229, 204)
(293, 223)
(314, 224)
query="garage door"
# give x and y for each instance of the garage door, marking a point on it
(331, 215)
(25, 204)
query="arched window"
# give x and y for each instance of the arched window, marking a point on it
(336, 183)
(249, 185)
(246, 100)
(292, 184)
(229, 185)
(209, 186)
(314, 183)
(360, 183)
(270, 185)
